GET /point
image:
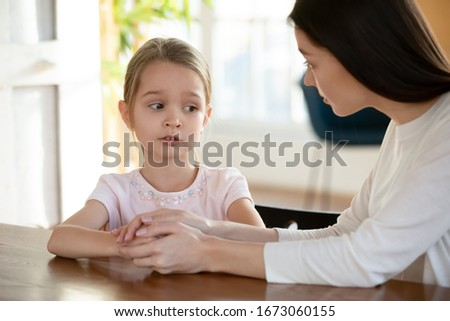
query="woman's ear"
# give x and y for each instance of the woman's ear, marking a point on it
(207, 115)
(125, 113)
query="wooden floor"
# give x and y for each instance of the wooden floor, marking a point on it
(307, 200)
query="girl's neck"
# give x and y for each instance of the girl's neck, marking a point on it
(170, 178)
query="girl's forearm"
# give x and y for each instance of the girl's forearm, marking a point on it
(78, 242)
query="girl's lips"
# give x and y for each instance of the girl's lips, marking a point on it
(171, 138)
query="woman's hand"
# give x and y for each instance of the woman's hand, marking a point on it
(137, 226)
(168, 247)
(127, 232)
(174, 247)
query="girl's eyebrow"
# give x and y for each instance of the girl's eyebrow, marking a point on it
(157, 92)
(151, 92)
(194, 94)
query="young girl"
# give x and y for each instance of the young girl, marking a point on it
(167, 103)
(359, 53)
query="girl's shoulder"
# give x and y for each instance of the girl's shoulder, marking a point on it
(221, 176)
(118, 179)
(219, 172)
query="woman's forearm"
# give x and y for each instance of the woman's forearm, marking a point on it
(241, 258)
(241, 232)
(78, 242)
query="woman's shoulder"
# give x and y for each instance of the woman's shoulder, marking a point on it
(432, 124)
(440, 107)
(443, 105)
(439, 120)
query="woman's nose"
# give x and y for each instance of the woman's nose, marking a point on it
(309, 79)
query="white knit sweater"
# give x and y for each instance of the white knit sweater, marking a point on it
(401, 212)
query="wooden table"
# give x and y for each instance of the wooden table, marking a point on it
(29, 272)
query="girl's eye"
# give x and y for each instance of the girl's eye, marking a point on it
(190, 108)
(156, 106)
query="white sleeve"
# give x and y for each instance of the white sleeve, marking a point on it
(347, 221)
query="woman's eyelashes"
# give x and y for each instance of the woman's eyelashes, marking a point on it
(308, 65)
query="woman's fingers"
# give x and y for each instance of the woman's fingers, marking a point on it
(174, 215)
(116, 232)
(157, 229)
(137, 226)
(127, 233)
(164, 242)
(141, 249)
(165, 215)
(147, 245)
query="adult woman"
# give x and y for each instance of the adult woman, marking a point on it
(359, 53)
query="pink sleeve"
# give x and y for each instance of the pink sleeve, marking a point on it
(236, 187)
(103, 193)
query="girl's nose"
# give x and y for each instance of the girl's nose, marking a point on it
(172, 122)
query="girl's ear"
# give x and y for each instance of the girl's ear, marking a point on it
(125, 113)
(207, 115)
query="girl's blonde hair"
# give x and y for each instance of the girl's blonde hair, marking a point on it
(164, 49)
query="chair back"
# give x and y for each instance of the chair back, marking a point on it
(298, 219)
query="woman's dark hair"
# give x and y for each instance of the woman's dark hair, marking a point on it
(385, 44)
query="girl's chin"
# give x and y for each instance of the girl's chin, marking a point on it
(169, 158)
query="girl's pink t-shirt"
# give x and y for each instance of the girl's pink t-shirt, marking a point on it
(210, 195)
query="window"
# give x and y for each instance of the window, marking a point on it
(255, 64)
(254, 61)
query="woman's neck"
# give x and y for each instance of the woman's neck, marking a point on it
(170, 178)
(403, 113)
